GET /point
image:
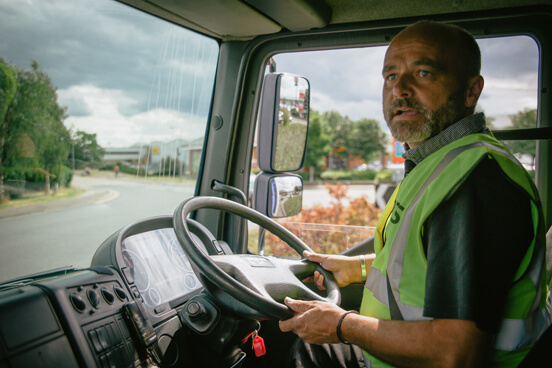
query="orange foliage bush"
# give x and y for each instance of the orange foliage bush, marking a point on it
(330, 229)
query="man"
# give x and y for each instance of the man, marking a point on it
(458, 275)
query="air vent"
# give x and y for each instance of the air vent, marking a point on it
(78, 303)
(107, 295)
(120, 292)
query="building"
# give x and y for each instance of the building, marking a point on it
(177, 157)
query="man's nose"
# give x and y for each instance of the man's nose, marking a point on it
(402, 87)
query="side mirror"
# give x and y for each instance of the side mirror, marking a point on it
(278, 195)
(283, 123)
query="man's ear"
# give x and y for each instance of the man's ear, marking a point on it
(475, 86)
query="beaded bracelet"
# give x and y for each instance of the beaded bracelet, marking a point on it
(338, 328)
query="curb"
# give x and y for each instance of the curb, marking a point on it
(95, 196)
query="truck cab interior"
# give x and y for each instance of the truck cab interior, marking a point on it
(185, 288)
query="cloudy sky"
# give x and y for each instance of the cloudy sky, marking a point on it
(350, 81)
(124, 75)
(132, 78)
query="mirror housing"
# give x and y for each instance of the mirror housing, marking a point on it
(278, 195)
(283, 123)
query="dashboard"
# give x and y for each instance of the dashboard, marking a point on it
(129, 307)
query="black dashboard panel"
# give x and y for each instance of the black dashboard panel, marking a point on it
(30, 330)
(67, 321)
(77, 318)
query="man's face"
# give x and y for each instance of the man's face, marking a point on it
(422, 93)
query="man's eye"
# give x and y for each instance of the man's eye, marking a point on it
(391, 77)
(425, 73)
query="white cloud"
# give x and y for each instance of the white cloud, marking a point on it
(526, 84)
(115, 129)
(508, 96)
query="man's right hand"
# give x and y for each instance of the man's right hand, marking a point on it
(346, 270)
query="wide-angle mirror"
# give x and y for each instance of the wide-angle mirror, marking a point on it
(283, 122)
(279, 195)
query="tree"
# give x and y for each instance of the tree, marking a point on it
(35, 143)
(87, 150)
(318, 143)
(8, 87)
(523, 120)
(366, 139)
(331, 134)
(363, 138)
(340, 129)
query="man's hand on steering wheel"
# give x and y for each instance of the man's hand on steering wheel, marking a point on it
(314, 321)
(346, 270)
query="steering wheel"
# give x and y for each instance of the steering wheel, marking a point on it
(256, 284)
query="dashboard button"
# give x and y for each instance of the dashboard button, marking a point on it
(103, 337)
(123, 328)
(196, 310)
(114, 333)
(104, 363)
(93, 335)
(160, 308)
(193, 308)
(135, 292)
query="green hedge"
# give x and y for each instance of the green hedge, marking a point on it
(61, 175)
(348, 175)
(306, 175)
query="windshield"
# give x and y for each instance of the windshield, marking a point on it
(103, 111)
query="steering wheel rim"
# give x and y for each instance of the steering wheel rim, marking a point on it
(265, 304)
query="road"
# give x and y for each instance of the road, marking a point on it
(70, 236)
(319, 195)
(68, 233)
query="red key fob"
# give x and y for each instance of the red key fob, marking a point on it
(259, 346)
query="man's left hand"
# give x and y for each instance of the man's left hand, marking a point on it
(315, 321)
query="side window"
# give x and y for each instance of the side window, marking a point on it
(509, 98)
(353, 163)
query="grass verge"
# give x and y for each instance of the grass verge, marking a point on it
(41, 197)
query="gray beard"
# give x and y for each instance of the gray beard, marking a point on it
(435, 121)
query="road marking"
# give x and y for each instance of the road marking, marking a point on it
(112, 194)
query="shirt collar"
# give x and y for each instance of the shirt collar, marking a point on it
(471, 124)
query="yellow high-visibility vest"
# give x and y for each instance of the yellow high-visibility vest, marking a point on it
(400, 265)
